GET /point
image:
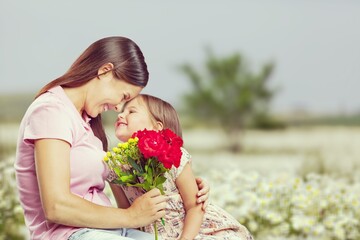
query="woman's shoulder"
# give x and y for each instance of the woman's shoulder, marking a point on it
(50, 110)
(47, 100)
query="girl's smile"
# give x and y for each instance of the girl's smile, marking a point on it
(135, 116)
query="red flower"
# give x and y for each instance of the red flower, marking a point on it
(164, 145)
(172, 138)
(151, 144)
(171, 158)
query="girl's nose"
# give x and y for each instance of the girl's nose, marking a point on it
(120, 115)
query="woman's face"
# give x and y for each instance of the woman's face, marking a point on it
(109, 93)
(135, 116)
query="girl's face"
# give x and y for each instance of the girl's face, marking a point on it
(135, 116)
(108, 93)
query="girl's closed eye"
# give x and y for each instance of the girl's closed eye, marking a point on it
(132, 110)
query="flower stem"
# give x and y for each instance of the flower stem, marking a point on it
(156, 231)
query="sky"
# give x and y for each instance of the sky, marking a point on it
(315, 45)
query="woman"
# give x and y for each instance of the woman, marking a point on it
(61, 144)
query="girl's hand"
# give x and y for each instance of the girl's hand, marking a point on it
(204, 192)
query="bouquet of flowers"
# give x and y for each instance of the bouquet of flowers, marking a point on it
(144, 159)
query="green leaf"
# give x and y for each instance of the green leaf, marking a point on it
(119, 182)
(139, 185)
(160, 180)
(150, 175)
(161, 188)
(117, 171)
(127, 178)
(146, 186)
(134, 165)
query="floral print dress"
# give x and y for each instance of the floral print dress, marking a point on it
(217, 223)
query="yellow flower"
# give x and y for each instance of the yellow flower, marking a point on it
(133, 140)
(106, 158)
(125, 145)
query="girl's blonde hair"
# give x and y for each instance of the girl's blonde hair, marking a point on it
(163, 112)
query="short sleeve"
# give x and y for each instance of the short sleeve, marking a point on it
(185, 158)
(48, 119)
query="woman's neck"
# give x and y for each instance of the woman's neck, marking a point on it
(77, 95)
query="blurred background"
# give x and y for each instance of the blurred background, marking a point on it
(267, 93)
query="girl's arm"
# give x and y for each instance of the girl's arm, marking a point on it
(120, 197)
(52, 160)
(188, 189)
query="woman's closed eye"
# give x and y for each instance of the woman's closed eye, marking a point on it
(126, 97)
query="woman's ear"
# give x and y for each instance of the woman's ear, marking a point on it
(105, 68)
(159, 125)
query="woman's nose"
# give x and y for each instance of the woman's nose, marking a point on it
(118, 108)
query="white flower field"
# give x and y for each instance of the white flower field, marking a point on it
(293, 184)
(297, 183)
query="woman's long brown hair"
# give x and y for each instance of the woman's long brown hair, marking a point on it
(129, 65)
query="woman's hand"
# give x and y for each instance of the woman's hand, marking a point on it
(204, 192)
(148, 208)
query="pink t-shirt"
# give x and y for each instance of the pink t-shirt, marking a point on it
(53, 115)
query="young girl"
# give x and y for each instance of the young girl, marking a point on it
(184, 218)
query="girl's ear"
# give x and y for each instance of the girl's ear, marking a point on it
(105, 68)
(159, 125)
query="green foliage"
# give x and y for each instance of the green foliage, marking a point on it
(11, 215)
(327, 120)
(228, 94)
(130, 166)
(13, 106)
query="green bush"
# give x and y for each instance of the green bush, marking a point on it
(11, 214)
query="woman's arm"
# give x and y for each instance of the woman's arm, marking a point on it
(52, 159)
(188, 189)
(204, 192)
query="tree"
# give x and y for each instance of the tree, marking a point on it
(229, 95)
